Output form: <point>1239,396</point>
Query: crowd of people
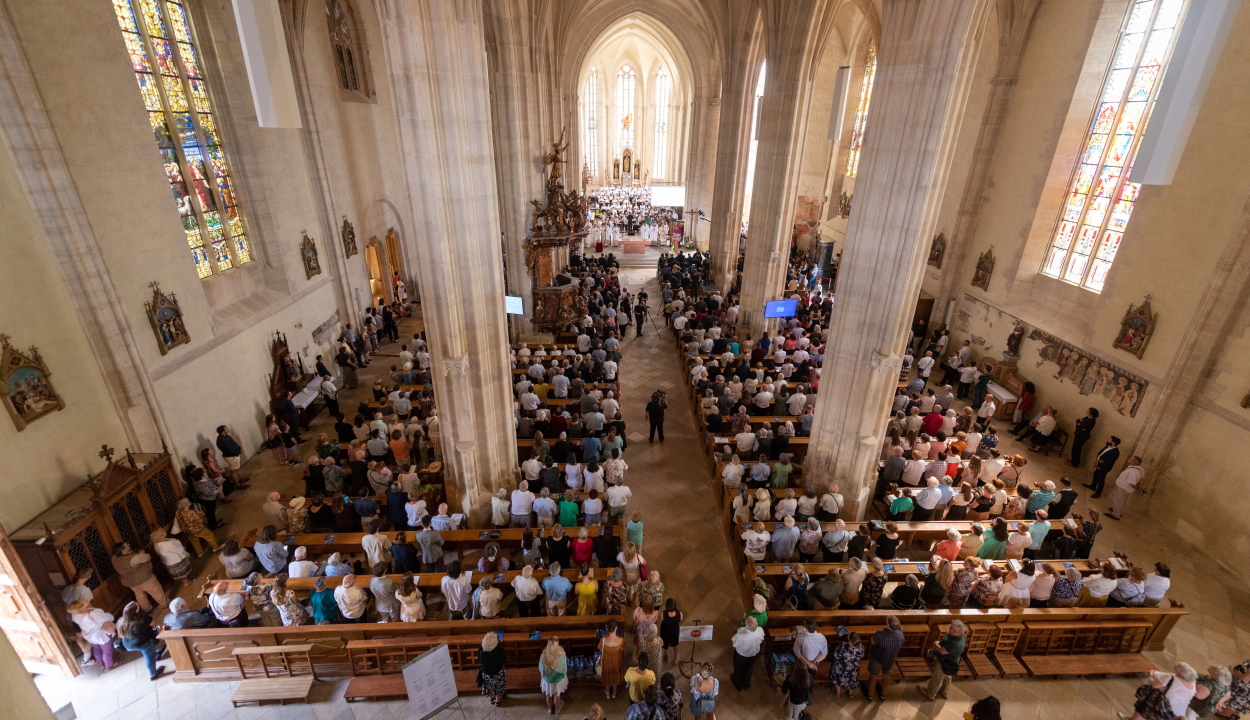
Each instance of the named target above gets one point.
<point>617,212</point>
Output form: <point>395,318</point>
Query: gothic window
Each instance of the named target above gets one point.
<point>625,107</point>
<point>592,122</point>
<point>1101,199</point>
<point>175,93</point>
<point>348,57</point>
<point>861,111</point>
<point>663,85</point>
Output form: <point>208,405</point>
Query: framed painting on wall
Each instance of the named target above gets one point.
<point>26,385</point>
<point>166,317</point>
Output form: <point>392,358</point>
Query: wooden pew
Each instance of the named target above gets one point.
<point>332,542</point>
<point>426,582</point>
<point>377,665</point>
<point>268,683</point>
<point>207,655</point>
<point>1101,647</point>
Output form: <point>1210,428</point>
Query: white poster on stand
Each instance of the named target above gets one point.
<point>431,682</point>
<point>695,633</point>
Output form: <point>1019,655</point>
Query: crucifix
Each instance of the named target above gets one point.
<point>106,452</point>
<point>693,226</point>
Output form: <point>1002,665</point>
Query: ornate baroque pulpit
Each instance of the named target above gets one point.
<point>557,228</point>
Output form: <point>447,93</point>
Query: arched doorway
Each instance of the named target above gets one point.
<point>395,263</point>
<point>375,263</point>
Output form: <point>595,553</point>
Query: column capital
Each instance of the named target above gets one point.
<point>456,367</point>
<point>882,363</point>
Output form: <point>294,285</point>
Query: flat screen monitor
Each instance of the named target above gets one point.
<point>668,195</point>
<point>514,305</point>
<point>780,308</point>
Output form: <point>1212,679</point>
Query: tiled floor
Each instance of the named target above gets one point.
<point>686,543</point>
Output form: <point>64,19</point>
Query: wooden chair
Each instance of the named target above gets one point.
<point>1004,650</point>
<point>269,683</point>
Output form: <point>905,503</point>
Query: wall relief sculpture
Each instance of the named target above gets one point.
<point>985,268</point>
<point>166,318</point>
<point>308,251</point>
<point>1136,328</point>
<point>26,385</point>
<point>937,251</point>
<point>349,239</point>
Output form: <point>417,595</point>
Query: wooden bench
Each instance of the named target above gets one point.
<point>281,688</point>
<point>1102,647</point>
<point>1083,665</point>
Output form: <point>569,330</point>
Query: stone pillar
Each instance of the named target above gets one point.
<point>436,60</point>
<point>521,136</point>
<point>701,163</point>
<point>28,133</point>
<point>790,29</point>
<point>733,144</point>
<point>926,60</point>
<point>1015,19</point>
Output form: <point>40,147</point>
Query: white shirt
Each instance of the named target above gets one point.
<point>925,365</point>
<point>171,551</point>
<point>796,403</point>
<point>456,591</point>
<point>415,512</point>
<point>609,369</point>
<point>92,625</point>
<point>1130,478</point>
<point>1157,586</point>
<point>529,401</point>
<point>811,645</point>
<point>1046,425</point>
<point>531,468</point>
<point>545,507</point>
<point>987,408</point>
<point>377,548</point>
<point>619,495</point>
<point>302,569</point>
<point>225,607</point>
<point>973,441</point>
<point>526,588</point>
<point>747,643</point>
<point>522,502</point>
<point>756,544</point>
<point>991,468</point>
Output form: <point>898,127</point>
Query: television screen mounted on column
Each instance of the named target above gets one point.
<point>780,308</point>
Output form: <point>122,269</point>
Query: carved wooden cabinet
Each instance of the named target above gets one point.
<point>124,503</point>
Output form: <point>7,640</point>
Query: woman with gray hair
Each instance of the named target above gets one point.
<point>1215,682</point>
<point>809,540</point>
<point>1066,590</point>
<point>501,510</point>
<point>1166,696</point>
<point>907,595</point>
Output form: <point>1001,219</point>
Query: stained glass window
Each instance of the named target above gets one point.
<point>625,107</point>
<point>592,122</point>
<point>663,84</point>
<point>347,55</point>
<point>175,94</point>
<point>861,111</point>
<point>1100,199</point>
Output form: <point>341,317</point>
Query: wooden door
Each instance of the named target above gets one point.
<point>28,621</point>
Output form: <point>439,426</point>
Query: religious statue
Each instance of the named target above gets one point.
<point>616,169</point>
<point>1136,328</point>
<point>985,268</point>
<point>1014,339</point>
<point>308,251</point>
<point>937,250</point>
<point>555,159</point>
<point>844,205</point>
<point>627,162</point>
<point>349,238</point>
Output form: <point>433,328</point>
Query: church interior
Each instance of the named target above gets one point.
<point>422,255</point>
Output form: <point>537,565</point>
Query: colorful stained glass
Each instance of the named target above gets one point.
<point>1141,55</point>
<point>178,20</point>
<point>125,16</point>
<point>240,248</point>
<point>194,139</point>
<point>1097,211</point>
<point>1084,179</point>
<point>190,63</point>
<point>152,18</point>
<point>1075,203</point>
<point>147,88</point>
<point>1105,119</point>
<point>174,95</point>
<point>199,95</point>
<point>1107,181</point>
<point>1143,83</point>
<point>138,55</point>
<point>1093,150</point>
<point>160,128</point>
<point>861,111</point>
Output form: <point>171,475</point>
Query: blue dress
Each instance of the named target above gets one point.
<point>844,665</point>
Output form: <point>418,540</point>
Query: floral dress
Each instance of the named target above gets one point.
<point>290,609</point>
<point>961,586</point>
<point>870,591</point>
<point>844,665</point>
<point>260,597</point>
<point>613,598</point>
<point>279,452</point>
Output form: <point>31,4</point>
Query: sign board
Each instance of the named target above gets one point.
<point>431,682</point>
<point>514,305</point>
<point>695,633</point>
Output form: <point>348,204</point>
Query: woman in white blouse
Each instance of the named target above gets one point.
<point>733,472</point>
<point>914,469</point>
<point>1098,587</point>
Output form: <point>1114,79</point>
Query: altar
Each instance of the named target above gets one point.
<point>634,246</point>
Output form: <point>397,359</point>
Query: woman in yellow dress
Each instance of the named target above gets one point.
<point>587,592</point>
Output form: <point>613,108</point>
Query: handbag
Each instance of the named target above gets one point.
<point>273,442</point>
<point>642,571</point>
<point>702,705</point>
<point>1153,701</point>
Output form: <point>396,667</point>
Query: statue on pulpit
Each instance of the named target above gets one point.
<point>555,160</point>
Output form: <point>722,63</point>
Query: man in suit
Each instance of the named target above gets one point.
<point>1084,427</point>
<point>1102,465</point>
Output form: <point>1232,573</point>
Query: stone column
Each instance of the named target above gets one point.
<point>732,148</point>
<point>1015,19</point>
<point>701,162</point>
<point>790,28</point>
<point>521,137</point>
<point>436,60</point>
<point>28,133</point>
<point>926,60</point>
